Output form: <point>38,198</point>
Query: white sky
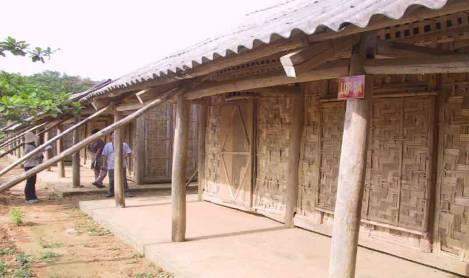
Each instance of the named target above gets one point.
<point>108,38</point>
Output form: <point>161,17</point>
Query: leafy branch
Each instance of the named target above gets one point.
<point>22,48</point>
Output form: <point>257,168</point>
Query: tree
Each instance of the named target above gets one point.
<point>22,48</point>
<point>48,92</point>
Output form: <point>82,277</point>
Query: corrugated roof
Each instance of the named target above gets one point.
<point>281,20</point>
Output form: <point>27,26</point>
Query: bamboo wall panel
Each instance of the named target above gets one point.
<point>400,162</point>
<point>452,226</point>
<point>310,154</point>
<point>274,118</point>
<point>158,143</point>
<point>332,124</point>
<point>229,142</point>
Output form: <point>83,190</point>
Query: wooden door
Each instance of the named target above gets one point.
<point>229,165</point>
<point>400,162</point>
<point>158,144</point>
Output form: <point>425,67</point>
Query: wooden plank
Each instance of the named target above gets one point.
<point>401,50</point>
<point>202,121</point>
<point>294,148</point>
<point>103,132</point>
<point>178,177</point>
<point>16,137</point>
<point>119,190</point>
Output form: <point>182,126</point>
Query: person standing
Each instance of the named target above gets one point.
<point>109,156</point>
<point>31,141</point>
<point>97,164</point>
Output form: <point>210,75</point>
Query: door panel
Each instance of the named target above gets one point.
<point>229,155</point>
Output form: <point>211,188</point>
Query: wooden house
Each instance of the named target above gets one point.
<point>389,171</point>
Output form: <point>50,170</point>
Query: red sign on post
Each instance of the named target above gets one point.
<point>351,87</point>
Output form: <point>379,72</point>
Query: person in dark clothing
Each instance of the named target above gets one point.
<point>100,171</point>
<point>31,141</point>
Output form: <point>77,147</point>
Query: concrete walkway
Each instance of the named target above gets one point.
<point>224,242</point>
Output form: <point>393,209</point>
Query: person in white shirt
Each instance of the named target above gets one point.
<point>108,154</point>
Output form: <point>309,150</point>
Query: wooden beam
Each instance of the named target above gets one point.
<point>103,132</point>
<point>76,157</point>
<point>12,149</point>
<point>315,55</point>
<point>129,107</point>
<point>457,63</point>
<point>178,175</point>
<point>351,174</point>
<point>294,148</point>
<point>119,189</point>
<point>58,149</point>
<point>202,121</point>
<point>327,71</point>
<point>141,94</point>
<point>51,141</point>
<point>406,50</point>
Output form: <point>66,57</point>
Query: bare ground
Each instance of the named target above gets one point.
<point>57,240</point>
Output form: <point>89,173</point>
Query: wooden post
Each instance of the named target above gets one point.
<point>118,163</point>
<point>76,157</point>
<point>47,153</point>
<point>351,175</point>
<point>59,148</point>
<point>139,158</point>
<point>202,118</point>
<point>178,177</point>
<point>296,131</point>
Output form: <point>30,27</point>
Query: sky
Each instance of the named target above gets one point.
<point>103,39</point>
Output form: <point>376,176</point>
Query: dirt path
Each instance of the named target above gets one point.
<point>57,240</point>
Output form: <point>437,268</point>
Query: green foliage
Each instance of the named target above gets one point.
<point>22,48</point>
<point>7,251</point>
<point>16,216</point>
<point>47,92</point>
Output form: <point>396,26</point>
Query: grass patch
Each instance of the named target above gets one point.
<point>16,216</point>
<point>7,251</point>
<point>50,245</point>
<point>49,256</point>
<point>24,270</point>
<point>3,268</point>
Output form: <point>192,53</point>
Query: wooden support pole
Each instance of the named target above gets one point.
<point>351,175</point>
<point>296,131</point>
<point>59,148</point>
<point>178,176</point>
<point>76,157</point>
<point>83,143</point>
<point>202,118</point>
<point>51,141</point>
<point>139,158</point>
<point>48,152</point>
<point>119,190</point>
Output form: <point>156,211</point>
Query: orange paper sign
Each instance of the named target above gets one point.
<point>351,87</point>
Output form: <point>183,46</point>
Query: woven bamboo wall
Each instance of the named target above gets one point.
<point>273,135</point>
<point>159,129</point>
<point>452,227</point>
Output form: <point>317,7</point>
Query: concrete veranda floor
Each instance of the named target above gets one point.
<point>224,242</point>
